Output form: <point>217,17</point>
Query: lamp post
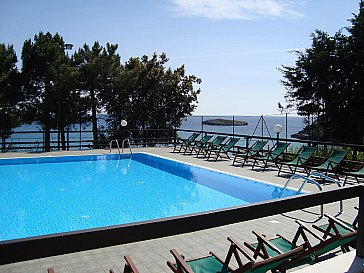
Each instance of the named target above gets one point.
<point>277,129</point>
<point>123,124</point>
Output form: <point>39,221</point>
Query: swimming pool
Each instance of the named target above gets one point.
<point>49,195</point>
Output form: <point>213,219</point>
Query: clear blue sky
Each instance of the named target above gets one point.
<point>234,46</point>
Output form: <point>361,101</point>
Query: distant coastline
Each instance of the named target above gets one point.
<point>224,122</point>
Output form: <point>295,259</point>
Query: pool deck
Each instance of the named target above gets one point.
<point>150,256</point>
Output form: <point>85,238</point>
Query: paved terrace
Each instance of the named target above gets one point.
<point>150,256</point>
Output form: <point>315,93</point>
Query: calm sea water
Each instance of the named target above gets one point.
<point>257,126</point>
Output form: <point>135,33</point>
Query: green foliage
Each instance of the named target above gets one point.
<point>9,91</point>
<point>50,85</point>
<point>98,66</point>
<point>149,95</point>
<point>59,91</point>
<point>326,83</point>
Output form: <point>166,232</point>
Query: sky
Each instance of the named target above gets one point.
<point>234,46</point>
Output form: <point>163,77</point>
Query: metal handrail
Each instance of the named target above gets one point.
<point>123,143</point>
<point>117,144</point>
<point>305,180</point>
<point>317,174</point>
<point>328,178</point>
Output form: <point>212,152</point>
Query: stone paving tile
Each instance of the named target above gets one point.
<point>151,256</point>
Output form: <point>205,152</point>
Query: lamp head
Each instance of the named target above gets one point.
<point>68,46</point>
<point>123,123</point>
<point>277,128</point>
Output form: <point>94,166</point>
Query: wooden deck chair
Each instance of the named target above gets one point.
<point>324,247</point>
<point>279,244</point>
<point>243,155</point>
<point>222,149</point>
<point>359,173</point>
<point>311,254</point>
<point>335,226</point>
<point>183,143</point>
<point>129,266</point>
<point>271,156</point>
<point>332,163</point>
<point>198,145</point>
<point>210,145</point>
<point>300,160</point>
<point>212,264</point>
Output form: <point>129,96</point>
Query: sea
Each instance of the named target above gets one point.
<point>257,126</point>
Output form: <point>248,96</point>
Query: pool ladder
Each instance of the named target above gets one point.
<point>122,145</point>
<point>311,181</point>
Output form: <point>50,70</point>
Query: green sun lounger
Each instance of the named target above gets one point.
<point>332,163</point>
<point>356,174</point>
<point>212,145</point>
<point>222,150</point>
<point>272,247</point>
<point>184,143</point>
<point>243,155</point>
<point>335,226</point>
<point>213,264</point>
<point>198,145</point>
<point>271,156</point>
<point>300,160</point>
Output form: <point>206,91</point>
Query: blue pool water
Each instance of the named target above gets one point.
<point>50,195</point>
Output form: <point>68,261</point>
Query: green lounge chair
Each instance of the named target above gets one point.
<point>265,248</point>
<point>271,156</point>
<point>215,143</point>
<point>213,264</point>
<point>249,152</point>
<point>223,149</point>
<point>311,254</point>
<point>356,174</point>
<point>184,143</point>
<point>335,226</point>
<point>300,160</point>
<point>332,163</point>
<point>198,144</point>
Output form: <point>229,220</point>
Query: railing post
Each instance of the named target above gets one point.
<point>202,124</point>
<point>68,139</point>
<point>360,238</point>
<point>3,144</point>
<point>175,137</point>
<point>233,126</point>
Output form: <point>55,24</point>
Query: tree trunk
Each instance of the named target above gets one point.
<point>94,117</point>
<point>47,136</point>
<point>63,138</point>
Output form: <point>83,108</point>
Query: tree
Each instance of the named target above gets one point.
<point>43,60</point>
<point>326,83</point>
<point>70,106</point>
<point>9,91</point>
<point>98,67</point>
<point>150,96</point>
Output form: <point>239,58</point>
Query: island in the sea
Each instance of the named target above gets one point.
<point>224,122</point>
